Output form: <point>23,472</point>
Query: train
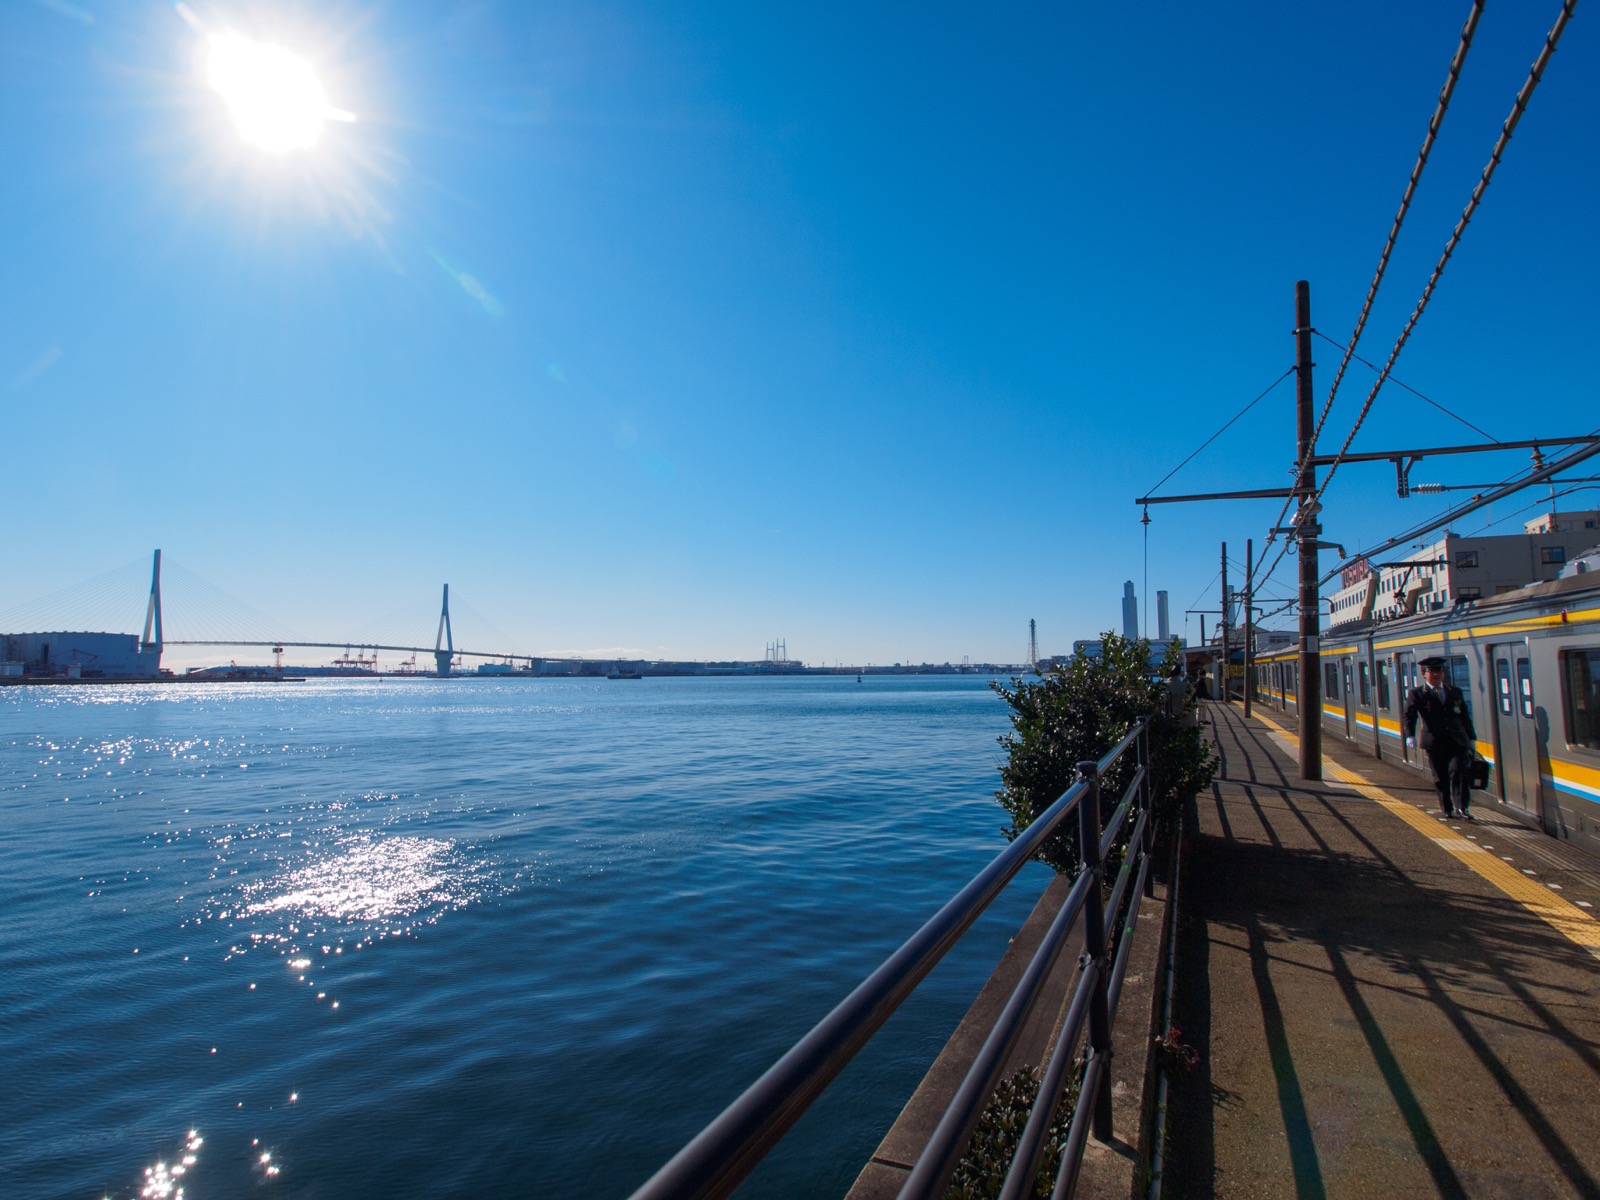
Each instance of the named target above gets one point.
<point>1528,663</point>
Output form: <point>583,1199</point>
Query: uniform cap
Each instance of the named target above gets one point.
<point>1433,660</point>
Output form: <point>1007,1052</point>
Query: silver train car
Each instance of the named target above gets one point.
<point>1528,663</point>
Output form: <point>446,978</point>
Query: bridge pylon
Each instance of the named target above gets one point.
<point>444,646</point>
<point>152,615</point>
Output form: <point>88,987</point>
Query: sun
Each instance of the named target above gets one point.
<point>275,97</point>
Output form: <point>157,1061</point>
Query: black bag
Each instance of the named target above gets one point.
<point>1478,774</point>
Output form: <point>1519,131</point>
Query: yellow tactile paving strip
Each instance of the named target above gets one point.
<point>1567,919</point>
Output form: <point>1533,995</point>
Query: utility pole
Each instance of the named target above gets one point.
<point>1225,685</point>
<point>1249,627</point>
<point>1307,530</point>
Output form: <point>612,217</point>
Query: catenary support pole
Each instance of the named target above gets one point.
<point>1249,624</point>
<point>1224,684</point>
<point>1310,681</point>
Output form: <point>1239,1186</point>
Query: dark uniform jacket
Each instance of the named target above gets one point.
<point>1444,722</point>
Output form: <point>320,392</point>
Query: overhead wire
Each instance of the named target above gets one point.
<point>1435,122</point>
<point>1457,61</point>
<point>1542,474</point>
<point>1582,485</point>
<point>1519,106</point>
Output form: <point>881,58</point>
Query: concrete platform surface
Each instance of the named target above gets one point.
<point>1383,1003</point>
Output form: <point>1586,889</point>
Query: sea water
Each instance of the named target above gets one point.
<point>468,937</point>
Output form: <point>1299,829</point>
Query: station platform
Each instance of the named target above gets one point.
<point>1382,1002</point>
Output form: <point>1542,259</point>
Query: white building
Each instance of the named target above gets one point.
<point>1455,569</point>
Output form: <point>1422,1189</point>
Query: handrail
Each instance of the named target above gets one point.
<point>716,1160</point>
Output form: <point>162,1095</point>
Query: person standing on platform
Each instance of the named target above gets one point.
<point>1446,735</point>
<point>1179,706</point>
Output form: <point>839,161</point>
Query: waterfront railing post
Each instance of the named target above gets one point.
<point>1147,803</point>
<point>1089,820</point>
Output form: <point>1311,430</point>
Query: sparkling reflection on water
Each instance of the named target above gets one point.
<point>371,878</point>
<point>454,938</point>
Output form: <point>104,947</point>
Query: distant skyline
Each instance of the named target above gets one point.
<point>670,333</point>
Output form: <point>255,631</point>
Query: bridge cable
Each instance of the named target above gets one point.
<point>110,599</point>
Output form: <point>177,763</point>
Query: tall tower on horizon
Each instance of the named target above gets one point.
<point>1033,644</point>
<point>1130,611</point>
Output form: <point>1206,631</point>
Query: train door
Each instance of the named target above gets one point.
<point>1383,700</point>
<point>1349,700</point>
<point>1405,678</point>
<point>1516,731</point>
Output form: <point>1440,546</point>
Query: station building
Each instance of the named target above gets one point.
<point>1455,569</point>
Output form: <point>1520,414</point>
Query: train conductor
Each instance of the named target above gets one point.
<point>1447,735</point>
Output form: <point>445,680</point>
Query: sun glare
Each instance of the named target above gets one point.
<point>275,97</point>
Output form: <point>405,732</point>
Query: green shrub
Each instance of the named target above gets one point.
<point>1081,711</point>
<point>983,1170</point>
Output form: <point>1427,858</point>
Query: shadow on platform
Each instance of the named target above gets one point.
<point>1371,1016</point>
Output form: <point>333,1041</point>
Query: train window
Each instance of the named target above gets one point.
<point>1455,671</point>
<point>1366,686</point>
<point>1330,681</point>
<point>1580,686</point>
<point>1525,687</point>
<point>1383,685</point>
<point>1552,554</point>
<point>1502,673</point>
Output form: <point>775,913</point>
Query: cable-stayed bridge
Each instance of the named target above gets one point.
<point>211,618</point>
<point>185,611</point>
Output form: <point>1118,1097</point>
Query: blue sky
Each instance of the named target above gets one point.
<point>676,329</point>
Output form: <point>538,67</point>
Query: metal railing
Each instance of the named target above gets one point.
<point>715,1162</point>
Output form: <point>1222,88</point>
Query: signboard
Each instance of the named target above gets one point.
<point>1355,572</point>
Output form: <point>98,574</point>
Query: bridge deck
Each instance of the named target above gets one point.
<point>1383,1003</point>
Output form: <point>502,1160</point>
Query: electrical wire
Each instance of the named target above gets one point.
<point>1407,387</point>
<point>1538,475</point>
<point>1518,107</point>
<point>1220,432</point>
<point>1583,486</point>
